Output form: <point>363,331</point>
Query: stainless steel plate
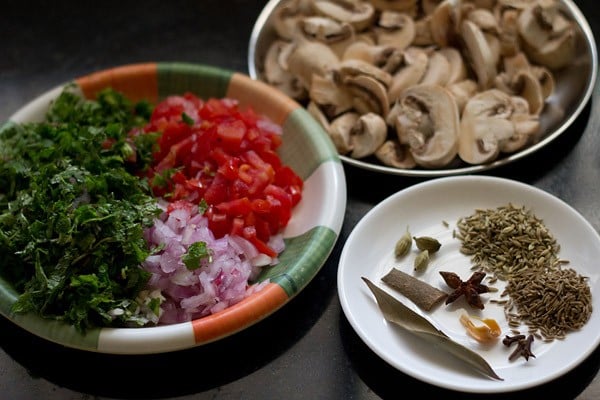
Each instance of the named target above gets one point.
<point>574,87</point>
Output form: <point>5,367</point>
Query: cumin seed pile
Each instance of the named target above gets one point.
<point>512,244</point>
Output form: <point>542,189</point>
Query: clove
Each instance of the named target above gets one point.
<point>523,346</point>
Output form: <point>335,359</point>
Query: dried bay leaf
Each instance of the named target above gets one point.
<point>396,312</point>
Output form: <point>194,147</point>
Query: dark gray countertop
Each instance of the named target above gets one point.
<point>306,350</point>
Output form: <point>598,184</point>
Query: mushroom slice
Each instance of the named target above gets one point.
<point>367,135</point>
<point>360,14</point>
<point>509,33</point>
<point>395,29</point>
<point>423,36</point>
<point>443,22</point>
<point>393,154</point>
<point>438,70</point>
<point>519,62</point>
<point>527,86</point>
<point>333,98</point>
<point>526,126</point>
<point>462,91</point>
<point>308,58</point>
<point>484,19</point>
<point>479,54</point>
<point>458,69</point>
<point>277,76</point>
<point>335,34</point>
<point>484,125</point>
<point>286,18</point>
<point>433,132</point>
<point>350,68</point>
<point>368,52</point>
<point>406,6</point>
<point>339,131</point>
<point>429,6</point>
<point>415,65</point>
<point>548,35</point>
<point>369,94</point>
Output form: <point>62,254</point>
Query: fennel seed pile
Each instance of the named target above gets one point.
<point>512,244</point>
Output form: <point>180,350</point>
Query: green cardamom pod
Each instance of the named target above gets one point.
<point>421,260</point>
<point>403,245</point>
<point>427,243</point>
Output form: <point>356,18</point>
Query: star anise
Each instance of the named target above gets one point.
<point>470,288</point>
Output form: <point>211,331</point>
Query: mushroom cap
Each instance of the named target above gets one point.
<point>415,60</point>
<point>395,29</point>
<point>438,148</point>
<point>279,77</point>
<point>484,125</point>
<point>309,57</point>
<point>479,54</point>
<point>548,36</point>
<point>367,135</point>
<point>360,14</point>
<point>392,153</point>
<point>339,131</point>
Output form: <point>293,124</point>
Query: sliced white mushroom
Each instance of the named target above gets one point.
<point>548,35</point>
<point>415,65</point>
<point>279,77</point>
<point>339,131</point>
<point>393,154</point>
<point>457,66</point>
<point>367,135</point>
<point>286,18</point>
<point>462,91</point>
<point>354,67</point>
<point>508,34</point>
<point>437,71</point>
<point>395,29</point>
<point>484,125</point>
<point>308,58</point>
<point>433,131</point>
<point>444,21</point>
<point>333,98</point>
<point>368,94</point>
<point>337,35</point>
<point>406,6</point>
<point>423,36</point>
<point>479,54</point>
<point>359,14</point>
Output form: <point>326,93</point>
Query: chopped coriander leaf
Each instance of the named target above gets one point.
<point>73,210</point>
<point>187,119</point>
<point>197,252</point>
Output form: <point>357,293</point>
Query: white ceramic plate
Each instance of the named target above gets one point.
<point>424,208</point>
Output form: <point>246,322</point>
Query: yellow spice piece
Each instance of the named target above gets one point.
<point>482,333</point>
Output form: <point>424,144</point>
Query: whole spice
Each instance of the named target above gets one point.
<point>397,313</point>
<point>419,292</point>
<point>421,260</point>
<point>403,245</point>
<point>470,288</point>
<point>553,302</point>
<point>523,346</point>
<point>514,245</point>
<point>427,243</point>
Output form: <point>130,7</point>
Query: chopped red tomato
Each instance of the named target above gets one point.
<point>214,151</point>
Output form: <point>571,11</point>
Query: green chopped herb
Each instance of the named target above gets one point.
<point>187,119</point>
<point>73,210</point>
<point>197,252</point>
